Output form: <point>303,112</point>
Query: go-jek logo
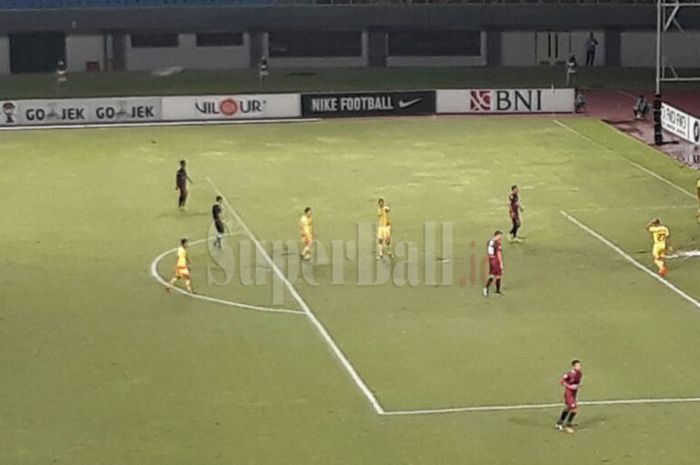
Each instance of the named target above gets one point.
<point>9,112</point>
<point>230,107</point>
<point>480,100</point>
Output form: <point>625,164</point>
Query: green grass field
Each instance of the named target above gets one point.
<point>101,366</point>
<point>306,80</point>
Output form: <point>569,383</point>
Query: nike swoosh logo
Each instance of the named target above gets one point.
<point>407,103</point>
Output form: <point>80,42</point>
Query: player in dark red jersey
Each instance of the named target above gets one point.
<point>572,383</point>
<point>514,209</point>
<point>181,180</point>
<point>494,251</point>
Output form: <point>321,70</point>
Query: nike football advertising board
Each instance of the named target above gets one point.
<point>368,104</point>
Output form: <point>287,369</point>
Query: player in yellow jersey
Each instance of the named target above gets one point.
<point>182,267</point>
<point>383,229</point>
<point>306,225</point>
<point>662,244</point>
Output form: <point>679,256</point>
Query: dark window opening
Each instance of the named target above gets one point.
<point>219,39</point>
<point>293,44</point>
<point>36,53</point>
<point>435,43</point>
<point>154,40</point>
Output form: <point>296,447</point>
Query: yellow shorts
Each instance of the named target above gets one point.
<point>659,251</point>
<point>182,273</point>
<point>384,233</point>
<point>307,239</point>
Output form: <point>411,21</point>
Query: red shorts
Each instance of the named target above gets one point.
<point>570,399</point>
<point>495,267</point>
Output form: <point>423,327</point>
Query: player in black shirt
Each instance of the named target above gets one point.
<point>181,180</point>
<point>217,216</point>
<point>514,210</point>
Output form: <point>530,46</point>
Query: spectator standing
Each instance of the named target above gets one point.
<point>263,70</point>
<point>571,65</point>
<point>591,47</point>
<point>61,72</point>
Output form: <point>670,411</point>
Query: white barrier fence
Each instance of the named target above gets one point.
<point>80,111</point>
<point>680,124</point>
<point>208,108</point>
<point>264,106</point>
<point>68,112</point>
<point>489,101</point>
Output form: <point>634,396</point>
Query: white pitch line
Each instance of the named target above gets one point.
<point>631,260</point>
<point>574,131</point>
<point>626,94</point>
<point>500,408</point>
<point>636,165</point>
<point>662,179</point>
<point>651,207</point>
<point>354,375</point>
<point>159,278</point>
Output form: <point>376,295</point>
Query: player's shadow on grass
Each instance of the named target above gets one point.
<point>547,422</point>
<point>180,214</point>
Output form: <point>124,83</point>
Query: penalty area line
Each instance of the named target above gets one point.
<point>508,408</point>
<point>323,332</point>
<point>636,165</point>
<point>230,303</point>
<point>631,260</point>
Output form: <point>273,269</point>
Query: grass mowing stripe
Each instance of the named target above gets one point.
<point>636,165</point>
<point>152,124</point>
<point>634,262</point>
<point>354,375</point>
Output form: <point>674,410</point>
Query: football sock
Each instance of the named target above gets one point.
<point>514,230</point>
<point>563,416</point>
<point>498,284</point>
<point>571,417</point>
<point>488,283</point>
<point>660,264</point>
<point>188,284</point>
<point>173,281</point>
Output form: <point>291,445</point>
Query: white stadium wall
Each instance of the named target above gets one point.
<point>188,55</point>
<point>81,49</point>
<point>4,55</point>
<point>681,48</point>
<point>518,48</point>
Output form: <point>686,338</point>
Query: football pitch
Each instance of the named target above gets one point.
<point>348,359</point>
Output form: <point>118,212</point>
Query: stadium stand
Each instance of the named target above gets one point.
<point>57,4</point>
